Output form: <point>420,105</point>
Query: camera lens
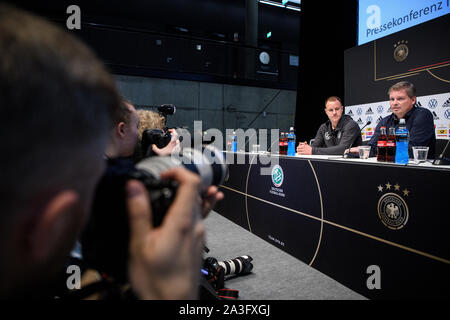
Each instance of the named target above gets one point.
<point>209,164</point>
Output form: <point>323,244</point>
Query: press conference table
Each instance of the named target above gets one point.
<point>380,229</point>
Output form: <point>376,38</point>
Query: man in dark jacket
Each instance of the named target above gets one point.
<point>334,136</point>
<point>419,121</point>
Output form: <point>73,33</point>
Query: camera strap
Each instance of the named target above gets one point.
<point>228,294</point>
<point>217,281</point>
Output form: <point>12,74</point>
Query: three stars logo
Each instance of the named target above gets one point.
<point>388,186</point>
<point>392,208</point>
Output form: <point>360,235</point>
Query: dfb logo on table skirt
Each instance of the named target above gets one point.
<point>277,176</point>
<point>392,208</point>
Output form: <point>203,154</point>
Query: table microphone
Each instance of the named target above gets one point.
<point>346,155</point>
<point>441,160</point>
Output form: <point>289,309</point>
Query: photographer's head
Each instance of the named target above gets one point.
<point>150,120</point>
<point>59,102</point>
<point>124,135</point>
<point>154,140</point>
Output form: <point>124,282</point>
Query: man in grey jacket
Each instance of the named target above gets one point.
<point>336,135</point>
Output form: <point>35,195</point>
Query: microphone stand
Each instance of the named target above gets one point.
<point>442,160</point>
<point>347,155</point>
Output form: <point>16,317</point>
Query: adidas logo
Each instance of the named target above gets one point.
<point>379,119</point>
<point>435,117</point>
<point>359,121</point>
<point>369,111</point>
<point>418,104</point>
<point>446,103</point>
<point>350,113</point>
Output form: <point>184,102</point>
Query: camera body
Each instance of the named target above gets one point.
<point>157,137</point>
<point>105,240</point>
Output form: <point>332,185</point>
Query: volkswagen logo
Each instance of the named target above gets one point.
<point>447,114</point>
<point>432,103</point>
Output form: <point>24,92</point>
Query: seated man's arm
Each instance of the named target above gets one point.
<point>319,139</point>
<point>422,133</point>
<point>305,149</point>
<point>373,142</point>
<point>349,135</point>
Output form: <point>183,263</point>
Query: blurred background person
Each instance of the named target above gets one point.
<point>156,123</point>
<point>124,134</point>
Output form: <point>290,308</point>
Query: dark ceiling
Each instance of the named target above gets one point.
<point>200,17</point>
<point>160,38</point>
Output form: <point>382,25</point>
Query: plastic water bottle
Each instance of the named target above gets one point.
<point>402,135</point>
<point>291,142</point>
<point>233,142</point>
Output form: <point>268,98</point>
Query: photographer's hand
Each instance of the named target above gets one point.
<point>173,146</point>
<point>210,199</point>
<point>165,262</point>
